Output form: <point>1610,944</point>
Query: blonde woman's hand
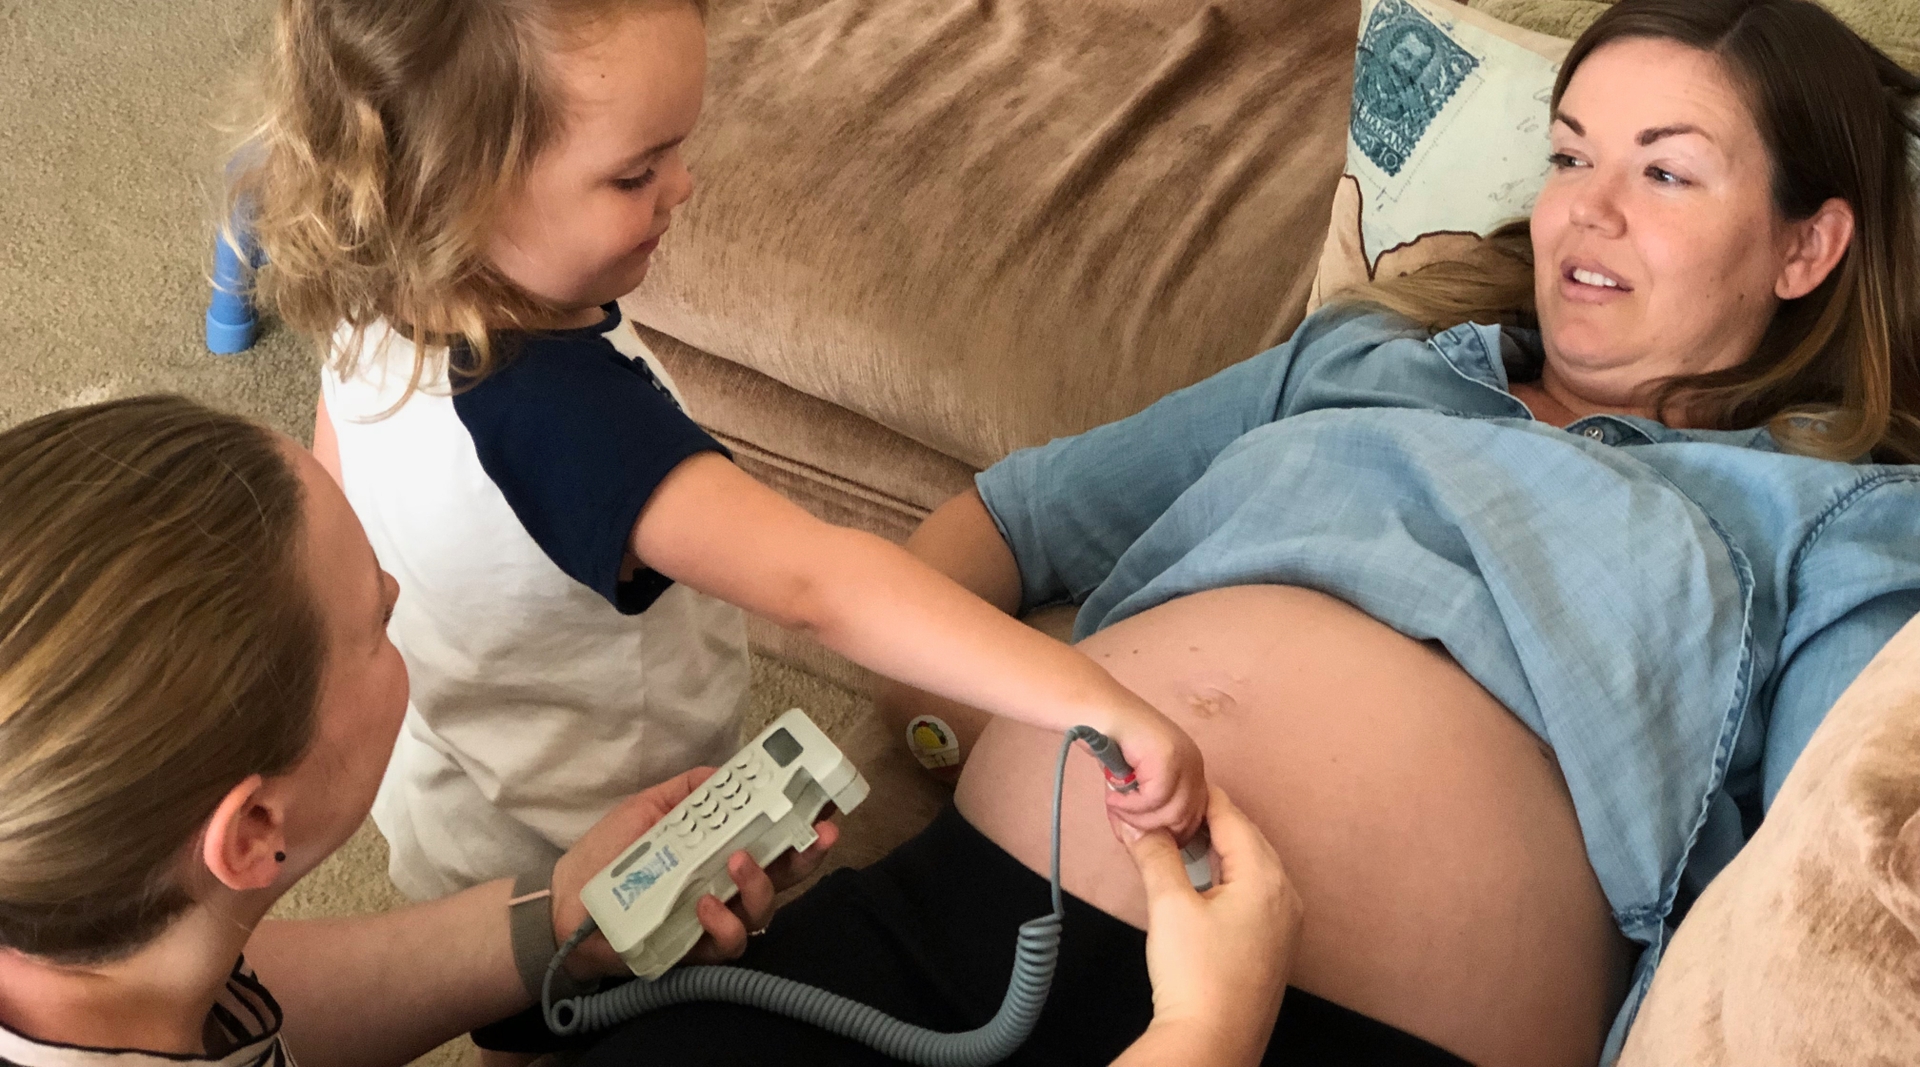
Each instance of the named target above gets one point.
<point>1219,960</point>
<point>727,925</point>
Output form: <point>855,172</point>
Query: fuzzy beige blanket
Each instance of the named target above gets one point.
<point>1806,949</point>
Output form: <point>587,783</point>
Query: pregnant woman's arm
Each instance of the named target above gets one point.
<point>1855,584</point>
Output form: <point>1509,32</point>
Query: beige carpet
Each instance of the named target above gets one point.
<point>108,155</point>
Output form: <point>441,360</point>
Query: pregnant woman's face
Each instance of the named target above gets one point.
<point>1658,248</point>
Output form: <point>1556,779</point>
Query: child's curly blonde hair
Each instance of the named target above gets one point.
<point>382,139</point>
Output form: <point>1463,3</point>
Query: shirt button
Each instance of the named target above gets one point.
<point>1596,433</point>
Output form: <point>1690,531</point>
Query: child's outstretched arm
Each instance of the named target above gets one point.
<point>713,527</point>
<point>960,540</point>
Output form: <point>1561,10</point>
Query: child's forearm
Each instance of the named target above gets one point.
<point>718,530</point>
<point>961,541</point>
<point>892,613</point>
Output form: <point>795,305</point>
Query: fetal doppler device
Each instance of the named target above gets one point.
<point>766,800</point>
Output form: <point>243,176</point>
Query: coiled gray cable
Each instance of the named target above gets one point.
<point>1035,955</point>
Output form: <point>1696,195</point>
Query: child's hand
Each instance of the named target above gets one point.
<point>1169,770</point>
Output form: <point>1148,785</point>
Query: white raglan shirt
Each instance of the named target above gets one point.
<point>505,511</point>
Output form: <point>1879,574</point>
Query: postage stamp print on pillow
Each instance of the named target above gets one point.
<point>1404,72</point>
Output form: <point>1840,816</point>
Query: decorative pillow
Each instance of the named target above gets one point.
<point>1447,139</point>
<point>1806,948</point>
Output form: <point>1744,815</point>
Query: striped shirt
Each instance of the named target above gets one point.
<point>243,1030</point>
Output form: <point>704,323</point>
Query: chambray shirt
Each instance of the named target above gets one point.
<point>1673,611</point>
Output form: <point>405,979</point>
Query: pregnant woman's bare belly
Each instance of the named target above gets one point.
<point>1429,833</point>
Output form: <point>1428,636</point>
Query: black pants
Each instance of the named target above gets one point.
<point>927,935</point>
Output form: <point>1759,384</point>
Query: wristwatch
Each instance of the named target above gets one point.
<point>530,925</point>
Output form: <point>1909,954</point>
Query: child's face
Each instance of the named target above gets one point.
<point>580,232</point>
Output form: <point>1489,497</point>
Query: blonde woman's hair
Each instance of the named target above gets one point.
<point>1837,374</point>
<point>384,137</point>
<point>157,646</point>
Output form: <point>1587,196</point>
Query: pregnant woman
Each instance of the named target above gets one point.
<point>1504,634</point>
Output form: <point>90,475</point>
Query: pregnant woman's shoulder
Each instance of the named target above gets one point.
<point>1347,335</point>
<point>1351,321</point>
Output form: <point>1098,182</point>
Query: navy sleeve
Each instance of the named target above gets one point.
<point>577,437</point>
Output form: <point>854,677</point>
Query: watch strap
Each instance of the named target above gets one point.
<point>530,925</point>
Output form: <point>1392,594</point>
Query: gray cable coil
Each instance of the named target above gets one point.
<point>1035,955</point>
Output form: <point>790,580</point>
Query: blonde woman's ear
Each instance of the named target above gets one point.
<point>245,841</point>
<point>1820,242</point>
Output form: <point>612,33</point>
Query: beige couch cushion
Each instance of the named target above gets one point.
<point>1806,949</point>
<point>899,481</point>
<point>986,223</point>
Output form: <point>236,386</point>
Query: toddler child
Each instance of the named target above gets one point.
<point>452,194</point>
